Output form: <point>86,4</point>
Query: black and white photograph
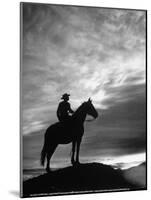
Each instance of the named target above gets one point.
<point>83,99</point>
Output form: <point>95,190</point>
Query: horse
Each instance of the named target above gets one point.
<point>67,132</point>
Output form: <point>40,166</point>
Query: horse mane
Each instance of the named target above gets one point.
<point>79,109</point>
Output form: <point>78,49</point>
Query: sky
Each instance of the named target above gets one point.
<point>86,52</point>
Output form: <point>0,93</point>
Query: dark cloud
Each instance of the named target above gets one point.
<point>119,130</point>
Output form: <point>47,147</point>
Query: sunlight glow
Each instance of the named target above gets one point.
<point>125,161</point>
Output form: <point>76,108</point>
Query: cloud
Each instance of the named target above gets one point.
<point>88,52</point>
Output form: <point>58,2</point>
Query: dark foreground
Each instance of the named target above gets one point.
<point>84,178</point>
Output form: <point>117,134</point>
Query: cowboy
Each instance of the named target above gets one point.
<point>64,108</point>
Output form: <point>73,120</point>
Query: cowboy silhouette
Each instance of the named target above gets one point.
<point>64,108</point>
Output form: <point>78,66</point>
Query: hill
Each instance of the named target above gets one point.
<point>84,178</point>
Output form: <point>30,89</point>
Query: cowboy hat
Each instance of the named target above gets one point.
<point>64,96</point>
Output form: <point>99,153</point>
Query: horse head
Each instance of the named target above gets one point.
<point>90,109</point>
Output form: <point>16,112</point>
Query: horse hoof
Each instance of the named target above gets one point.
<point>48,170</point>
<point>76,163</point>
<point>72,162</point>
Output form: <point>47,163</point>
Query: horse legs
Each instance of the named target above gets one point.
<point>75,146</point>
<point>78,149</point>
<point>49,155</point>
<point>73,152</point>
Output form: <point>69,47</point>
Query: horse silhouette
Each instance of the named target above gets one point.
<point>66,132</point>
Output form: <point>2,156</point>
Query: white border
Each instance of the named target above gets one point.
<point>9,98</point>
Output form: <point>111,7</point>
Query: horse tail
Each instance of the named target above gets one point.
<point>43,153</point>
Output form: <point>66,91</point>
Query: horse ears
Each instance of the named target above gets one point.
<point>89,100</point>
